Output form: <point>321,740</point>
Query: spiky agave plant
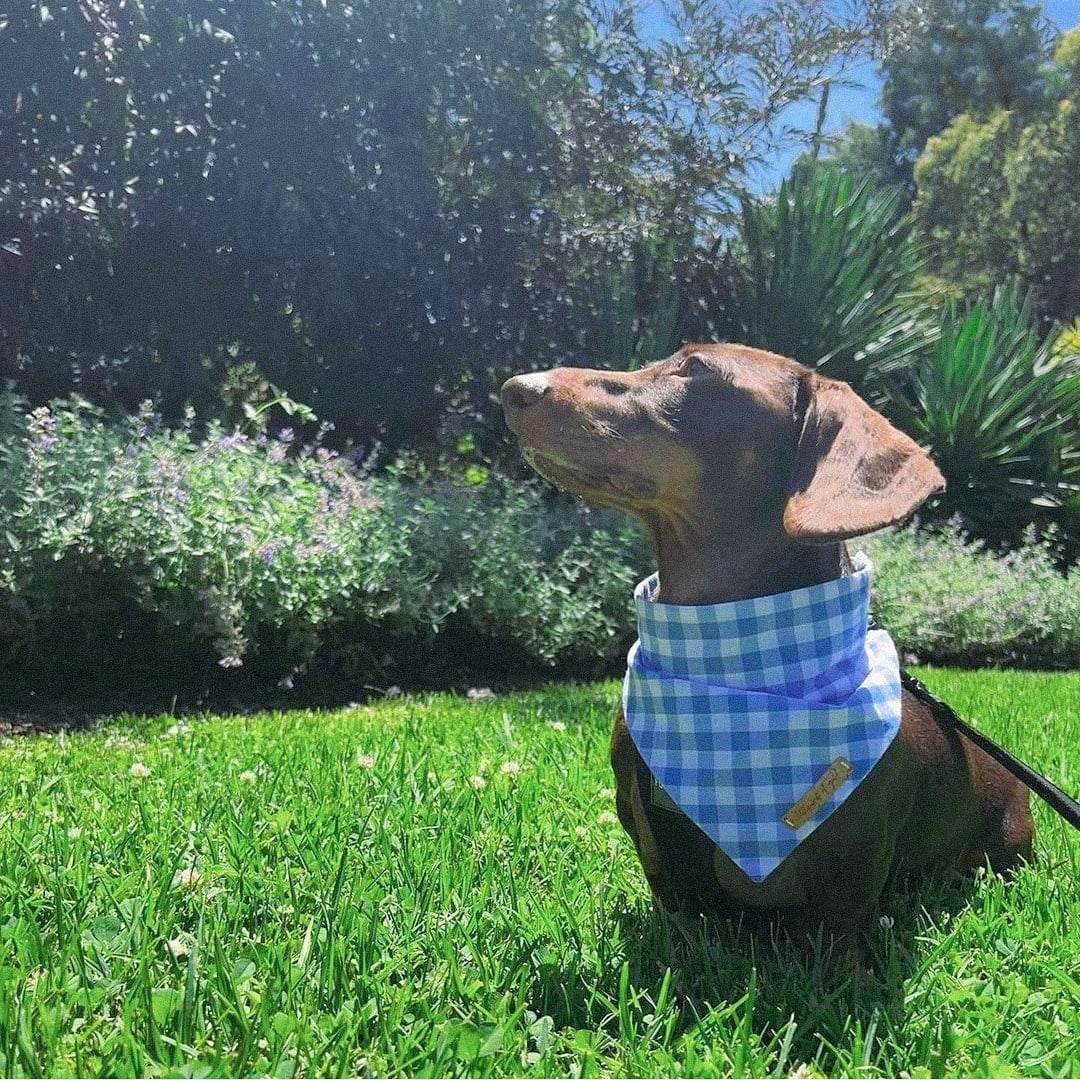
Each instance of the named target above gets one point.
<point>998,406</point>
<point>828,274</point>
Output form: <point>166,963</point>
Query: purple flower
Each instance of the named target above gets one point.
<point>231,442</point>
<point>268,552</point>
<point>286,435</point>
<point>47,444</point>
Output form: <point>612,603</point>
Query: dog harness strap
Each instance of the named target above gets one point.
<point>760,717</point>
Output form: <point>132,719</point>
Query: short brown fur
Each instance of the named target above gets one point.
<point>750,471</point>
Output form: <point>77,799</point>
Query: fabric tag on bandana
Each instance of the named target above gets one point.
<point>758,718</point>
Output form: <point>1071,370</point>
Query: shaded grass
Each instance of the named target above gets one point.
<point>328,893</point>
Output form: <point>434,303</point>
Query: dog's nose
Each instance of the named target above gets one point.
<point>519,393</point>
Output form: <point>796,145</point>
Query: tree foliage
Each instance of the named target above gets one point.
<point>327,190</point>
<point>372,204</point>
<point>993,195</point>
<point>960,56</point>
<point>973,56</point>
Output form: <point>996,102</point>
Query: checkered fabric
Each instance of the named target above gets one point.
<point>739,709</point>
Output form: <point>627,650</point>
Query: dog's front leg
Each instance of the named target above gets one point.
<point>632,816</point>
<point>842,901</point>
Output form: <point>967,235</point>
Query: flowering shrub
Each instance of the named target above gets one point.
<point>949,601</point>
<point>129,552</point>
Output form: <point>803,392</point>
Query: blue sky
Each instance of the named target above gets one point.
<point>860,102</point>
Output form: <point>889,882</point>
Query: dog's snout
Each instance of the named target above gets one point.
<point>519,393</point>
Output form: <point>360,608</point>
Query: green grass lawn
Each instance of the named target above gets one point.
<point>439,886</point>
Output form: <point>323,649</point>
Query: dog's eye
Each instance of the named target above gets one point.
<point>692,365</point>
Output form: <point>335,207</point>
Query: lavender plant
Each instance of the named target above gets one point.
<point>129,551</point>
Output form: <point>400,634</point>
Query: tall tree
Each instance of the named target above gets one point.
<point>959,56</point>
<point>993,194</point>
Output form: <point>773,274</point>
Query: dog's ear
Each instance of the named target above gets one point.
<point>854,472</point>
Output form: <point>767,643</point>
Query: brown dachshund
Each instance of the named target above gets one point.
<point>750,471</point>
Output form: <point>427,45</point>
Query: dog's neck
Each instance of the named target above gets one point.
<point>716,569</point>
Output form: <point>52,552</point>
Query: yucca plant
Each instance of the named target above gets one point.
<point>997,404</point>
<point>828,276</point>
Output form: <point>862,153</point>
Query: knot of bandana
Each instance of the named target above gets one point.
<point>753,712</point>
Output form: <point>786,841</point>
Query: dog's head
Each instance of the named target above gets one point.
<point>740,437</point>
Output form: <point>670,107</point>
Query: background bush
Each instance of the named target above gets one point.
<point>827,276</point>
<point>132,551</point>
<point>358,203</point>
<point>133,554</point>
<point>374,205</point>
<point>361,204</point>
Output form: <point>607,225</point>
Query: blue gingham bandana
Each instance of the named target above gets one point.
<point>743,710</point>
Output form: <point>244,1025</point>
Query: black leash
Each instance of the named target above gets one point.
<point>1048,791</point>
